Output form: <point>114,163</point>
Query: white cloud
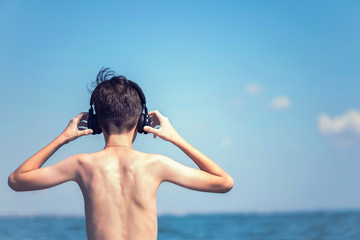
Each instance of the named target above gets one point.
<point>350,121</point>
<point>253,89</point>
<point>281,102</point>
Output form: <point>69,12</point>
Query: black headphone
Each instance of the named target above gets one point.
<point>143,120</point>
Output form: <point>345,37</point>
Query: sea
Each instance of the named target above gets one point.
<point>319,225</point>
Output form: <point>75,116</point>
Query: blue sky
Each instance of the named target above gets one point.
<point>267,89</point>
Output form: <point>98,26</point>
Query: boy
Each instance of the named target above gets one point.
<point>118,183</point>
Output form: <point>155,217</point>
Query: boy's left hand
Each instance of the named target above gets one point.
<point>73,130</point>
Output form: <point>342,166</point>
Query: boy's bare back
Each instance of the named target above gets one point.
<point>119,184</point>
<point>119,190</point>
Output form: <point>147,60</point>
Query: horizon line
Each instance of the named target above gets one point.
<point>183,214</point>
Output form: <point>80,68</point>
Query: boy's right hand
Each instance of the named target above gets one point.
<point>165,131</point>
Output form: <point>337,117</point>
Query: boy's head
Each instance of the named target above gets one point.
<point>117,103</point>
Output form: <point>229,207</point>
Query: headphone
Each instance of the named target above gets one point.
<point>143,120</point>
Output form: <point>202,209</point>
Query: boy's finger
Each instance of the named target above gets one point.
<point>83,116</point>
<point>152,116</point>
<point>150,129</point>
<point>156,113</point>
<point>86,132</point>
<point>153,124</point>
<point>154,119</point>
<point>82,124</point>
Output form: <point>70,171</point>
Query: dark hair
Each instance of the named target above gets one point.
<point>117,104</point>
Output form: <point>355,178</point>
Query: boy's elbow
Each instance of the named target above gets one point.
<point>227,185</point>
<point>12,183</point>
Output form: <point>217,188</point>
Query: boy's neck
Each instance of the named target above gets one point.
<point>119,140</point>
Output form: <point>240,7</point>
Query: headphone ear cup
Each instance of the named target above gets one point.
<point>89,120</point>
<point>140,127</point>
<point>143,121</point>
<point>146,122</point>
<point>96,129</point>
<point>92,122</point>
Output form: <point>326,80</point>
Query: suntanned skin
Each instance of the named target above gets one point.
<point>118,183</point>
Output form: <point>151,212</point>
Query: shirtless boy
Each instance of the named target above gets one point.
<point>118,183</point>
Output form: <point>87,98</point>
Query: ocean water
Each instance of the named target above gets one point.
<point>276,226</point>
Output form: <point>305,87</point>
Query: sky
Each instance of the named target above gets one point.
<point>267,89</point>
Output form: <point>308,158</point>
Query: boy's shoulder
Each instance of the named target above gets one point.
<point>138,156</point>
<point>144,164</point>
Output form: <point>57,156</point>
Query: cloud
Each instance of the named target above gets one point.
<point>350,121</point>
<point>253,89</point>
<point>280,102</point>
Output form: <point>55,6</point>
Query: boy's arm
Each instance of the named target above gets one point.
<point>30,175</point>
<point>211,177</point>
